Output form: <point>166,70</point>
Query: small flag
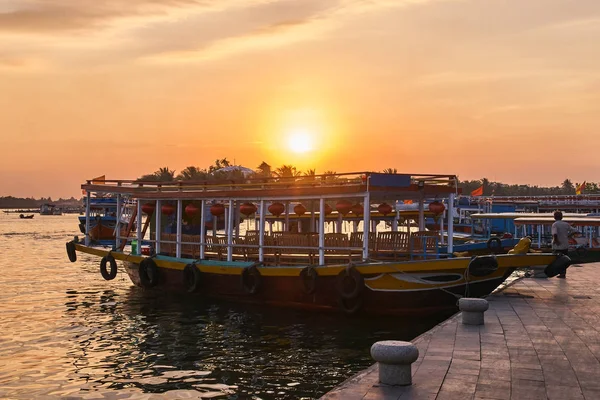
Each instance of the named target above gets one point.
<point>478,191</point>
<point>580,188</point>
<point>99,180</point>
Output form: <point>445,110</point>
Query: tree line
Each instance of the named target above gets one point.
<point>215,172</point>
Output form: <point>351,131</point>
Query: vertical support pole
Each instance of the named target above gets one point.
<point>236,217</point>
<point>321,231</point>
<point>540,236</point>
<point>230,231</point>
<point>261,232</point>
<point>396,218</point>
<point>447,212</point>
<point>366,224</point>
<point>312,216</point>
<point>287,217</point>
<point>339,223</point>
<point>421,211</point>
<point>87,218</point>
<point>450,223</point>
<point>179,217</point>
<point>158,228</point>
<point>202,229</point>
<point>118,223</point>
<point>138,249</point>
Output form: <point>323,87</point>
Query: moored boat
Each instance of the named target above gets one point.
<point>347,250</point>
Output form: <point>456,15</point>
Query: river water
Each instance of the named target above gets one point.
<point>65,332</point>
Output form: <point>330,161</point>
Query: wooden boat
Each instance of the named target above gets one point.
<point>22,216</point>
<point>352,254</point>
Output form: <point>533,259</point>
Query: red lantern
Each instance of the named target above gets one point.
<point>299,209</point>
<point>328,209</point>
<point>436,207</point>
<point>168,209</point>
<point>343,207</point>
<point>384,208</point>
<point>276,209</point>
<point>191,210</point>
<point>148,208</point>
<point>247,209</point>
<point>357,209</point>
<point>217,209</point>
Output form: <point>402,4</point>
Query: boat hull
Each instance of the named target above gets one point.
<point>400,288</point>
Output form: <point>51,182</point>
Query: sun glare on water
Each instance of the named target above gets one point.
<point>300,141</point>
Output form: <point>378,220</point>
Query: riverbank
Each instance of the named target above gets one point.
<point>541,340</point>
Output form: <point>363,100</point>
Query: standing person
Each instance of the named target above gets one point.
<point>560,238</point>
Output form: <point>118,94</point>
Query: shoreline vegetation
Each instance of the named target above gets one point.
<point>223,169</point>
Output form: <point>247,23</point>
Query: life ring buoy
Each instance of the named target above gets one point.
<point>251,279</point>
<point>192,278</point>
<point>309,277</point>
<point>351,306</point>
<point>149,273</point>
<point>350,283</point>
<point>108,275</point>
<point>483,265</point>
<point>494,244</point>
<point>71,253</point>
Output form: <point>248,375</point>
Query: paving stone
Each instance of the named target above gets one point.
<point>543,347</point>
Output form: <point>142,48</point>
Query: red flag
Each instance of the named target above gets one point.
<point>580,188</point>
<point>478,191</point>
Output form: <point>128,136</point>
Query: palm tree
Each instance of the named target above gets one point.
<point>264,170</point>
<point>287,171</point>
<point>192,173</point>
<point>329,176</point>
<point>390,171</point>
<point>567,187</point>
<point>165,174</point>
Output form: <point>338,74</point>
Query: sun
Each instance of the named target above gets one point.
<point>300,141</point>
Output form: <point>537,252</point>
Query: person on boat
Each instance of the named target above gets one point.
<point>560,238</point>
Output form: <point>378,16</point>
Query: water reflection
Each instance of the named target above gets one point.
<point>65,332</point>
<point>158,342</point>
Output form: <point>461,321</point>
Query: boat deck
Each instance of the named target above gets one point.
<point>541,340</point>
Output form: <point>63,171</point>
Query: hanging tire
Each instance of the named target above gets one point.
<point>559,265</point>
<point>108,275</point>
<point>351,306</point>
<point>71,253</point>
<point>494,244</point>
<point>251,279</point>
<point>149,273</point>
<point>350,283</point>
<point>192,278</point>
<point>483,265</point>
<point>580,252</point>
<point>309,277</point>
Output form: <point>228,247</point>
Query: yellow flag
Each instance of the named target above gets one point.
<point>580,188</point>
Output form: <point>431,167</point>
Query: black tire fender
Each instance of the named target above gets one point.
<point>350,283</point>
<point>309,277</point>
<point>251,279</point>
<point>351,306</point>
<point>494,244</point>
<point>108,275</point>
<point>557,266</point>
<point>192,278</point>
<point>71,253</point>
<point>149,273</point>
<point>483,265</point>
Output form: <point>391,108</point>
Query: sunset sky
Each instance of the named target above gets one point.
<point>503,89</point>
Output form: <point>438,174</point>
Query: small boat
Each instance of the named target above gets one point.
<point>26,216</point>
<point>331,243</point>
<point>50,209</point>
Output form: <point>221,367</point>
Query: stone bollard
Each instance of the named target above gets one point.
<point>395,358</point>
<point>472,310</point>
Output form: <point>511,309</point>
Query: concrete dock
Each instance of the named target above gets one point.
<point>541,340</point>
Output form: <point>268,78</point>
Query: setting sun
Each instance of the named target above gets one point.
<point>300,141</point>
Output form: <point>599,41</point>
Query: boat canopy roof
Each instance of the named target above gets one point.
<point>380,186</point>
<point>575,221</point>
<point>513,215</point>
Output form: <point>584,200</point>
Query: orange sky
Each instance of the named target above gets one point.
<point>505,89</point>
